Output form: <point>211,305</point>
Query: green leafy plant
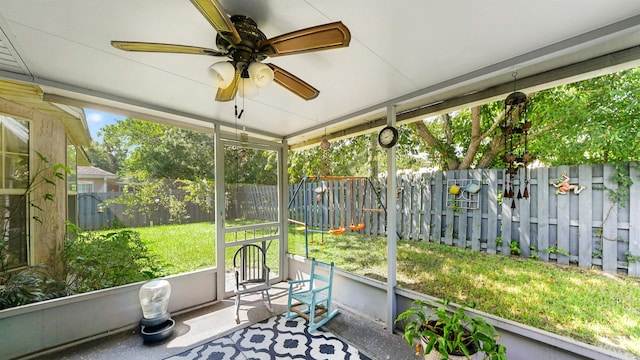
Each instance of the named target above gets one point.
<point>534,253</point>
<point>499,241</point>
<point>143,199</point>
<point>27,286</point>
<point>21,285</point>
<point>45,174</point>
<point>624,181</point>
<point>449,332</point>
<point>455,205</point>
<point>96,261</point>
<point>514,248</point>
<point>631,258</point>
<point>557,250</point>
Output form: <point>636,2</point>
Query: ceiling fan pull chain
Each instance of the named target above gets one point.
<point>238,115</point>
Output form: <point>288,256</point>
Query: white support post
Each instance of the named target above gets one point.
<point>283,202</point>
<point>391,226</point>
<point>220,212</point>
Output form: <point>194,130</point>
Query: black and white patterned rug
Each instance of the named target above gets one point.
<point>275,338</point>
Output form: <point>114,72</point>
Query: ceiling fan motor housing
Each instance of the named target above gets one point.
<point>246,51</point>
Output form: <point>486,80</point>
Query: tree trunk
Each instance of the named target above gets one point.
<point>476,138</point>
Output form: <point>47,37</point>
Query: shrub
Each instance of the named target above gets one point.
<point>94,261</point>
<point>28,286</point>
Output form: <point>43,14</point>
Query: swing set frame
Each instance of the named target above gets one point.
<point>302,185</point>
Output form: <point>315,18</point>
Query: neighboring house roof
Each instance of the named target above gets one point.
<point>94,172</point>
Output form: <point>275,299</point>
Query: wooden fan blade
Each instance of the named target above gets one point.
<point>321,37</point>
<point>218,18</point>
<point>293,83</point>
<point>228,93</point>
<point>164,48</point>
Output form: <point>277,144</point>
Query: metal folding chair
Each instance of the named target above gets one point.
<point>252,274</point>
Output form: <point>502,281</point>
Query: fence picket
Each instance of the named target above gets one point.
<point>462,217</point>
<point>609,222</point>
<point>371,199</point>
<point>404,206</point>
<point>542,191</point>
<point>426,207</point>
<point>448,233</point>
<point>585,215</point>
<point>524,208</point>
<point>437,208</point>
<point>476,219</point>
<point>492,210</point>
<point>634,227</point>
<point>415,208</point>
<point>506,220</point>
<point>563,216</point>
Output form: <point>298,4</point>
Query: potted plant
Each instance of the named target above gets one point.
<point>449,335</point>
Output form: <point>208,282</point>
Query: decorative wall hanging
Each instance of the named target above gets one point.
<point>463,194</point>
<point>563,185</point>
<point>515,130</point>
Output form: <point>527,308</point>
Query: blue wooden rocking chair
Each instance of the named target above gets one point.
<point>315,296</point>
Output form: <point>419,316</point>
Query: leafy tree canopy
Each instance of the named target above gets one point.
<point>145,151</point>
<point>593,121</point>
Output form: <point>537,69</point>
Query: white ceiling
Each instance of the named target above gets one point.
<point>404,52</point>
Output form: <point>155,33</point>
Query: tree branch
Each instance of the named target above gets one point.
<point>474,144</point>
<point>445,150</point>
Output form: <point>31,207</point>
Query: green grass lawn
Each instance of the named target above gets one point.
<point>587,305</point>
<point>189,247</point>
<point>182,248</point>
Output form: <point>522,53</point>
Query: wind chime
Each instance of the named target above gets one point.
<point>515,131</point>
<point>325,160</point>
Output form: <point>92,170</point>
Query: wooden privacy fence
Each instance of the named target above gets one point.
<point>246,201</point>
<point>252,202</point>
<point>594,228</point>
<point>599,227</point>
<point>94,213</point>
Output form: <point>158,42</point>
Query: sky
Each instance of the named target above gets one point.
<point>97,119</point>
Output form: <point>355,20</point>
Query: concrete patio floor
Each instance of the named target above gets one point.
<point>199,326</point>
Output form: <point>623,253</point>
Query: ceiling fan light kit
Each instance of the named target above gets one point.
<point>223,72</point>
<point>247,88</point>
<point>241,41</point>
<point>256,75</point>
<point>261,74</point>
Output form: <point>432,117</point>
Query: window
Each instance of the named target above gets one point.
<point>14,180</point>
<point>85,187</point>
<point>72,184</point>
<point>72,163</point>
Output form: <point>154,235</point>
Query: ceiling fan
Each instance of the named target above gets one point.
<point>241,41</point>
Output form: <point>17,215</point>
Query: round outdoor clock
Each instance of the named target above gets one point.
<point>388,137</point>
